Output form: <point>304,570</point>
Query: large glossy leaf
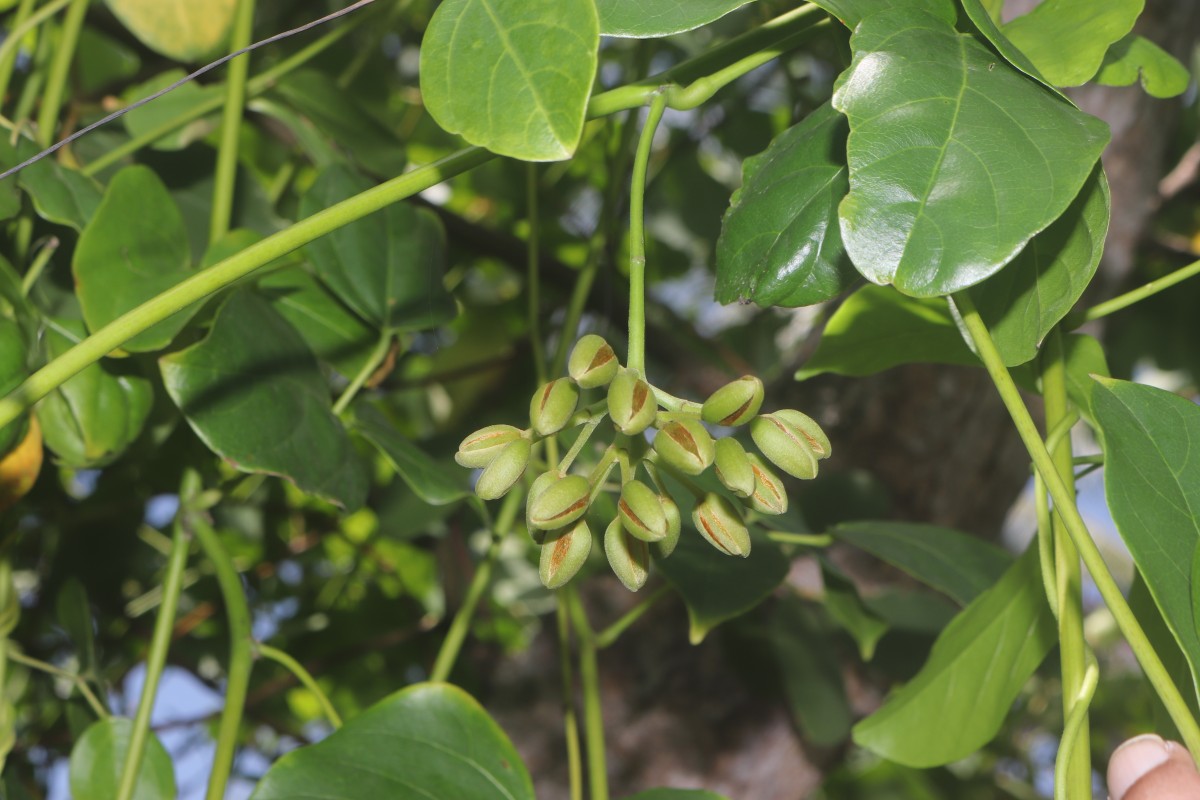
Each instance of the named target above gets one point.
<point>644,19</point>
<point>134,248</point>
<point>1152,482</point>
<point>98,758</point>
<point>852,12</point>
<point>947,184</point>
<point>959,565</point>
<point>185,30</point>
<point>432,482</point>
<point>253,393</point>
<point>1136,58</point>
<point>977,666</point>
<point>1067,39</point>
<point>810,672</point>
<point>91,419</point>
<point>780,242</point>
<point>388,267</point>
<point>432,740</point>
<point>513,76</point>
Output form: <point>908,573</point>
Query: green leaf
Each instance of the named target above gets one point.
<point>388,267</point>
<point>134,248</point>
<point>985,14</point>
<point>513,76</point>
<point>676,794</point>
<point>431,481</point>
<point>946,185</point>
<point>150,116</point>
<point>1137,58</point>
<point>877,328</point>
<point>644,19</point>
<point>954,563</point>
<point>780,243</point>
<point>959,699</point>
<point>715,587</point>
<point>60,195</point>
<point>431,740</point>
<point>73,613</point>
<point>1067,39</point>
<point>98,758</point>
<point>14,368</point>
<point>102,61</point>
<point>1152,481</point>
<point>1084,357</point>
<point>253,393</point>
<point>183,30</point>
<point>811,674</point>
<point>852,12</point>
<point>1163,641</point>
<point>91,419</point>
<point>848,610</point>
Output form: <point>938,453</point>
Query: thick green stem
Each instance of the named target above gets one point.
<point>1064,502</point>
<point>570,721</point>
<point>637,236</point>
<point>1076,724</point>
<point>301,674</point>
<point>1136,295</point>
<point>60,69</point>
<point>225,175</point>
<point>9,59</point>
<point>589,683</point>
<point>156,660</point>
<point>368,369</point>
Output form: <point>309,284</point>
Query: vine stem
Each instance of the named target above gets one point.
<point>156,660</point>
<point>1076,724</point>
<point>225,176</point>
<point>74,677</point>
<point>39,264</point>
<point>589,683</point>
<point>609,635</point>
<point>1064,502</point>
<point>1123,301</point>
<point>9,59</point>
<point>304,676</point>
<point>60,67</point>
<point>637,235</point>
<point>368,369</point>
<point>570,722</point>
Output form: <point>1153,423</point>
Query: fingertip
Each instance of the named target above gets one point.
<point>1133,760</point>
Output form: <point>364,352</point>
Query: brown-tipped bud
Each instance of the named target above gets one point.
<point>593,362</point>
<point>721,524</point>
<point>735,403</point>
<point>631,403</point>
<point>540,484</point>
<point>552,406</point>
<point>733,467</point>
<point>563,553</point>
<point>791,441</point>
<point>628,557</point>
<point>769,496</point>
<point>685,445</point>
<point>561,503</point>
<point>505,470</point>
<point>666,545</point>
<point>641,512</point>
<point>481,447</point>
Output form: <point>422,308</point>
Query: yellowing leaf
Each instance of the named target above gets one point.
<point>185,30</point>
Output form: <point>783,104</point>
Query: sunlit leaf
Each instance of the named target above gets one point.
<point>185,30</point>
<point>1067,39</point>
<point>1136,58</point>
<point>644,19</point>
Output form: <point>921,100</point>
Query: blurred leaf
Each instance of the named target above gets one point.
<point>959,699</point>
<point>848,610</point>
<point>98,758</point>
<point>101,61</point>
<point>540,60</point>
<point>183,30</point>
<point>643,19</point>
<point>811,674</point>
<point>780,243</point>
<point>676,794</point>
<point>14,368</point>
<point>852,12</point>
<point>432,482</point>
<point>1067,39</point>
<point>253,393</point>
<point>915,611</point>
<point>152,115</point>
<point>1136,58</point>
<point>74,614</point>
<point>429,740</point>
<point>926,211</point>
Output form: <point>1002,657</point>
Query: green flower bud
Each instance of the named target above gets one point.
<point>720,522</point>
<point>539,485</point>
<point>685,445</point>
<point>561,503</point>
<point>552,406</point>
<point>628,557</point>
<point>631,403</point>
<point>593,362</point>
<point>792,441</point>
<point>733,467</point>
<point>478,449</point>
<point>735,403</point>
<point>769,496</point>
<point>666,545</point>
<point>505,470</point>
<point>641,512</point>
<point>563,553</point>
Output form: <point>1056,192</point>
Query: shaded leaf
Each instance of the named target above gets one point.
<point>811,674</point>
<point>74,614</point>
<point>643,19</point>
<point>1136,58</point>
<point>432,482</point>
<point>852,12</point>
<point>848,610</point>
<point>539,58</point>
<point>102,61</point>
<point>150,116</point>
<point>676,794</point>
<point>185,30</point>
<point>60,195</point>
<point>1067,39</point>
<point>98,758</point>
<point>1163,641</point>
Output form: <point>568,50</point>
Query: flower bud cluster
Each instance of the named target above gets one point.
<point>647,516</point>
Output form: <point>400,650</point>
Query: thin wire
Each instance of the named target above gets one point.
<point>206,68</point>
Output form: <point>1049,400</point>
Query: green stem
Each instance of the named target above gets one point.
<point>805,539</point>
<point>588,429</point>
<point>677,405</point>
<point>39,265</point>
<point>1136,295</point>
<point>1076,724</point>
<point>637,236</point>
<point>570,720</point>
<point>74,677</point>
<point>12,39</point>
<point>9,59</point>
<point>368,369</point>
<point>241,656</point>
<point>457,634</point>
<point>1064,502</point>
<point>225,176</point>
<point>156,660</point>
<point>60,68</point>
<point>593,715</point>
<point>610,634</point>
<point>533,279</point>
<point>301,674</point>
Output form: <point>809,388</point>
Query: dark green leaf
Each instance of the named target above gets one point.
<point>1164,643</point>
<point>848,610</point>
<point>1136,58</point>
<point>431,740</point>
<point>432,482</point>
<point>388,267</point>
<point>253,393</point>
<point>915,611</point>
<point>152,115</point>
<point>60,195</point>
<point>101,61</point>
<point>14,368</point>
<point>134,248</point>
<point>643,19</point>
<point>98,758</point>
<point>539,58</point>
<point>811,674</point>
<point>959,699</point>
<point>780,243</point>
<point>1067,39</point>
<point>74,614</point>
<point>946,185</point>
<point>852,12</point>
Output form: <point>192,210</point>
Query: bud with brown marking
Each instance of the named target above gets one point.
<point>769,496</point>
<point>641,512</point>
<point>721,524</point>
<point>505,470</point>
<point>563,553</point>
<point>561,503</point>
<point>629,557</point>
<point>540,484</point>
<point>666,545</point>
<point>791,441</point>
<point>735,403</point>
<point>552,406</point>
<point>631,403</point>
<point>593,362</point>
<point>733,467</point>
<point>685,445</point>
<point>481,447</point>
